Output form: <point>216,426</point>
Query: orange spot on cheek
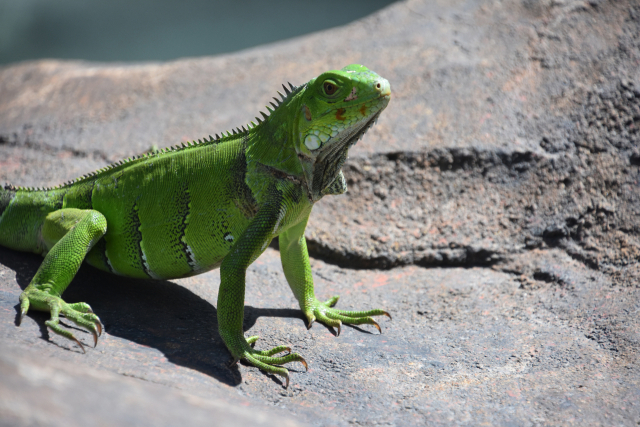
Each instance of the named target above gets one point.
<point>363,110</point>
<point>339,114</point>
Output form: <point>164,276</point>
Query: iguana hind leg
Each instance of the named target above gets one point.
<point>68,234</point>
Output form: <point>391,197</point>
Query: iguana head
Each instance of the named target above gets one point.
<point>337,108</point>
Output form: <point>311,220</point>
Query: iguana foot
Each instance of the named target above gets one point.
<point>80,313</point>
<point>324,313</point>
<point>264,359</point>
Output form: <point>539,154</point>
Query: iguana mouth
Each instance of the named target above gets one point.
<point>330,160</point>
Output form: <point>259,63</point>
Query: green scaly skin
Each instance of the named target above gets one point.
<point>185,210</point>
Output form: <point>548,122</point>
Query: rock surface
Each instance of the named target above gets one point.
<point>494,210</point>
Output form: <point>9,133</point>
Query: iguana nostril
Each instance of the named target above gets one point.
<point>383,87</point>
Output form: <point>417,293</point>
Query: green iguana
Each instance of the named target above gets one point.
<point>186,210</point>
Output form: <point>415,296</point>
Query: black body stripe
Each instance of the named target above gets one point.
<point>101,247</point>
<point>6,196</point>
<point>89,195</point>
<point>134,245</point>
<point>59,198</point>
<point>238,190</point>
<point>184,208</point>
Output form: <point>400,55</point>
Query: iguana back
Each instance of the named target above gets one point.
<point>164,200</point>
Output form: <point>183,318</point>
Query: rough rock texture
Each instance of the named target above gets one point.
<point>494,210</point>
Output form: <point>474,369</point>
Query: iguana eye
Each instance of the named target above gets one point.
<point>329,87</point>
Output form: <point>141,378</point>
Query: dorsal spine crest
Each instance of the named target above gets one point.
<point>290,91</point>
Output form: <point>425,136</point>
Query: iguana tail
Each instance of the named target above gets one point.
<point>22,215</point>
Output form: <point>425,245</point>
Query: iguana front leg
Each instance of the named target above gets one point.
<point>247,248</point>
<point>297,269</point>
<point>68,234</point>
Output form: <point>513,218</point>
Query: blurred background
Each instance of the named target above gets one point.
<point>160,30</point>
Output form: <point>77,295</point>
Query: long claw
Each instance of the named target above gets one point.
<point>388,315</point>
<point>233,362</point>
<point>338,327</point>
<point>287,384</point>
<point>376,325</point>
<point>304,362</point>
<point>309,325</point>
<point>79,344</point>
<point>79,313</point>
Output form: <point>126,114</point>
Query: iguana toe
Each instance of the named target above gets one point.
<point>80,313</point>
<point>264,359</point>
<point>335,318</point>
<point>54,326</point>
<point>332,301</point>
<point>24,307</point>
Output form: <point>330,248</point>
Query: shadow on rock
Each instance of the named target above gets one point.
<point>155,314</point>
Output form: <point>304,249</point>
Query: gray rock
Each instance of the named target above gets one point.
<point>493,210</point>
